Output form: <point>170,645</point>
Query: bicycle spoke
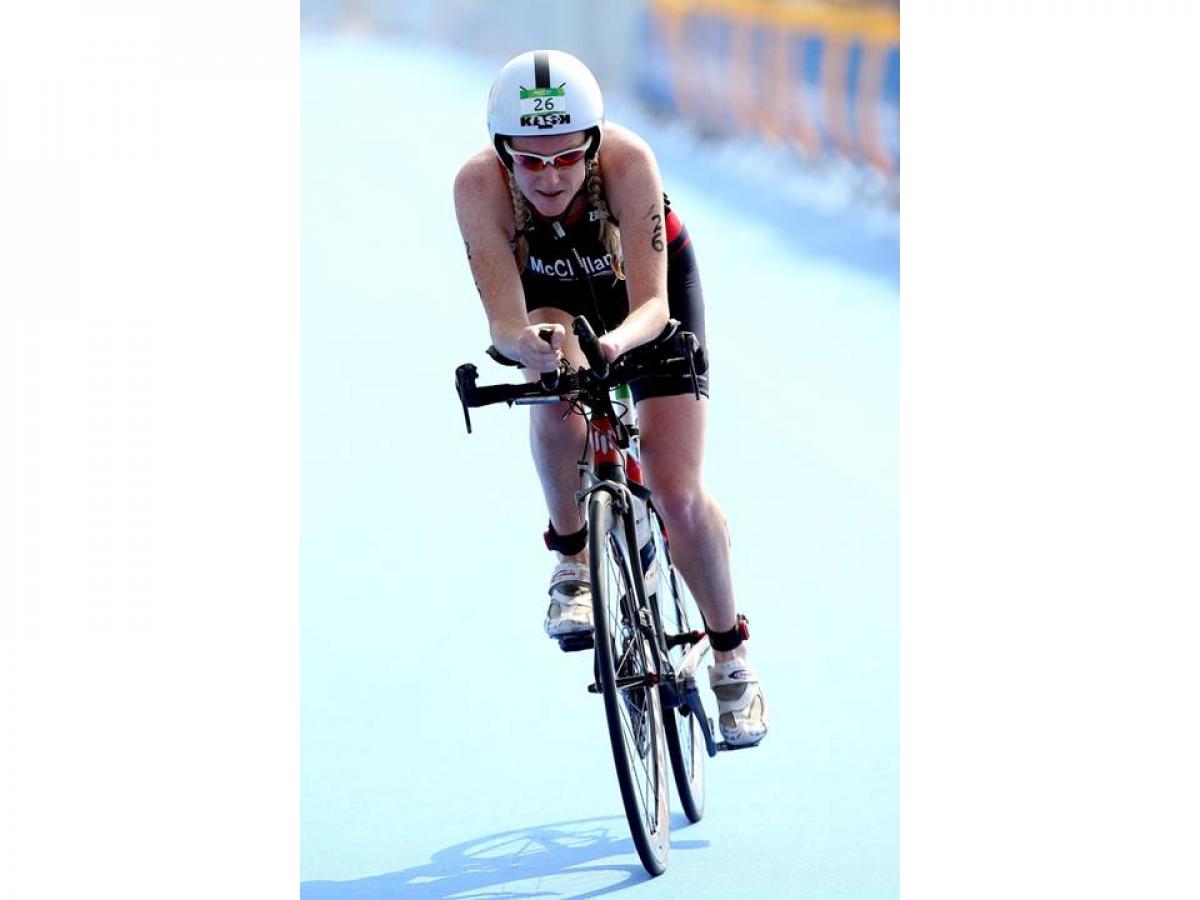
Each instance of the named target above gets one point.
<point>642,765</point>
<point>640,747</point>
<point>679,615</point>
<point>626,663</point>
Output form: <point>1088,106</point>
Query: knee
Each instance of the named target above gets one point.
<point>681,504</point>
<point>551,427</point>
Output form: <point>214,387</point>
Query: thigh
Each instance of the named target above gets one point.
<point>672,440</point>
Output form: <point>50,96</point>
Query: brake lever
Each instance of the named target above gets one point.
<point>465,377</point>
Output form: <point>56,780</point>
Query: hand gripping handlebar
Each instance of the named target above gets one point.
<point>673,350</point>
<point>549,380</point>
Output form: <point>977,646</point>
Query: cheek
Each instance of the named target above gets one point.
<point>524,180</point>
<point>576,177</point>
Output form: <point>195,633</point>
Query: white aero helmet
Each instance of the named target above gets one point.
<point>544,92</point>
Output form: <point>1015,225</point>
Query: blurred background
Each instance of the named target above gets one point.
<point>448,749</point>
<point>817,81</point>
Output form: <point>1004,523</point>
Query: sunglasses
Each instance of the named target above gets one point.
<point>535,162</point>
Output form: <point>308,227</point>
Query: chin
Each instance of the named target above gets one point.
<point>552,209</point>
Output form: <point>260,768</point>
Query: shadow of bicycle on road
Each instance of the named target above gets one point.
<point>577,859</point>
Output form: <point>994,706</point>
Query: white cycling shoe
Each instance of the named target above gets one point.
<point>570,609</point>
<point>744,714</point>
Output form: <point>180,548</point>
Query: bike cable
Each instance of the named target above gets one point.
<point>561,234</point>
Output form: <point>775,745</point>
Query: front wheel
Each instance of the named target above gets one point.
<point>679,615</point>
<point>625,663</point>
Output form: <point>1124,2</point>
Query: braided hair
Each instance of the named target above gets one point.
<point>610,234</point>
<point>524,219</point>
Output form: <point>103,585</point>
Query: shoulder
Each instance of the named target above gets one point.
<point>631,176</point>
<point>480,185</point>
<point>624,152</point>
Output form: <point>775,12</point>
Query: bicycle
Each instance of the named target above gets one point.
<point>646,643</point>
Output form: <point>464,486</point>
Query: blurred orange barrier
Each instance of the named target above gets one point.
<point>823,78</point>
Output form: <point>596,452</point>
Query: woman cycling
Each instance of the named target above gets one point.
<point>564,215</point>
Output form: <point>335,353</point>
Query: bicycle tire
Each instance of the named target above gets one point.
<point>679,614</point>
<point>634,715</point>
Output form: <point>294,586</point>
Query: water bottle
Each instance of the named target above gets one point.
<point>641,513</point>
<point>645,539</point>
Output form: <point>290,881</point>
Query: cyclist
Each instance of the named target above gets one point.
<point>564,215</point>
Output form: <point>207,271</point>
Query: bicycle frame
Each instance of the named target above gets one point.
<point>609,437</point>
<point>612,468</point>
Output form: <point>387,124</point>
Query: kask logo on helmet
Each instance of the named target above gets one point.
<point>545,120</point>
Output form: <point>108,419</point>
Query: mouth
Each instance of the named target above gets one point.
<point>552,195</point>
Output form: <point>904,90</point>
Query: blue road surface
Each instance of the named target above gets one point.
<point>449,749</point>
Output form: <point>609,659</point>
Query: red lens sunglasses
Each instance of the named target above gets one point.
<point>535,162</point>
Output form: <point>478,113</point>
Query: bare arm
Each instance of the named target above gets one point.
<point>634,189</point>
<point>484,211</point>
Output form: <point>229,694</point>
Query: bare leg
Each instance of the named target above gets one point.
<point>673,430</point>
<point>556,446</point>
<point>557,442</point>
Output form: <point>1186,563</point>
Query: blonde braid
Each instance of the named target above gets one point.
<point>524,218</point>
<point>610,234</point>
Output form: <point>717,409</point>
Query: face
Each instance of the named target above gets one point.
<point>550,191</point>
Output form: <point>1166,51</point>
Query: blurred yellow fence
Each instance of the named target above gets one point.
<point>823,78</point>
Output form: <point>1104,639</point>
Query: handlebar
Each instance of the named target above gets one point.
<point>590,345</point>
<point>672,351</point>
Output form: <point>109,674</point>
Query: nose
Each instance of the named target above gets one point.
<point>551,176</point>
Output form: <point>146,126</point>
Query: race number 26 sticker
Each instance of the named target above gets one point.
<point>544,107</point>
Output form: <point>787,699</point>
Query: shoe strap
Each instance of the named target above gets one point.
<point>568,574</point>
<point>722,673</point>
<point>570,571</point>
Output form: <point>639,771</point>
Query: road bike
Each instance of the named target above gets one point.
<point>649,636</point>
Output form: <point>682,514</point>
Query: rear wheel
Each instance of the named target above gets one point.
<point>625,662</point>
<point>685,739</point>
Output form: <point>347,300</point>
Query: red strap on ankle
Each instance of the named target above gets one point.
<point>731,639</point>
<point>566,544</point>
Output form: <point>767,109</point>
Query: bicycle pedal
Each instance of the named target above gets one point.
<point>571,643</point>
<point>723,745</point>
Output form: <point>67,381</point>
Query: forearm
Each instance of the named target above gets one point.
<point>505,334</point>
<point>643,324</point>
